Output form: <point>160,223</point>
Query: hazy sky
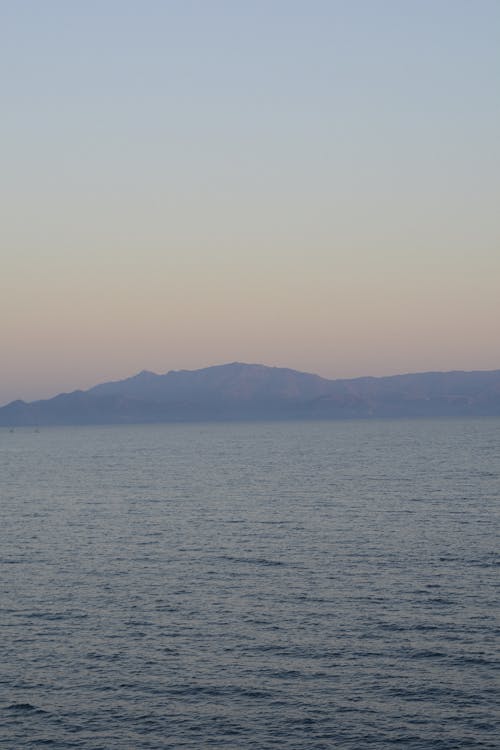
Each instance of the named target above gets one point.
<point>311,183</point>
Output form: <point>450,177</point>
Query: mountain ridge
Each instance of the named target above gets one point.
<point>244,391</point>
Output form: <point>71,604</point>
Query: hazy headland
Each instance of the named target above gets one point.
<point>238,391</point>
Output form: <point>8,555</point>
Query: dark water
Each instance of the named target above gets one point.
<point>319,585</point>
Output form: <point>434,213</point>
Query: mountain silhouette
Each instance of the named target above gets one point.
<point>239,391</point>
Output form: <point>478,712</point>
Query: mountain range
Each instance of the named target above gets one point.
<point>240,391</point>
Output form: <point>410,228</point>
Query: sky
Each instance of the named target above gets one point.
<point>304,184</point>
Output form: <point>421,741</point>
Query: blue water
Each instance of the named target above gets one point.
<point>294,585</point>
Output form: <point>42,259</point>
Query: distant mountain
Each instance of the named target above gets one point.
<point>250,392</point>
<point>232,382</point>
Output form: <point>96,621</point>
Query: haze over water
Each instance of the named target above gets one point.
<point>300,585</point>
<point>310,185</point>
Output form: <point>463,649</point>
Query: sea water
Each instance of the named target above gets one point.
<point>284,585</point>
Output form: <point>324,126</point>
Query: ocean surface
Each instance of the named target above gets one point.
<point>288,585</point>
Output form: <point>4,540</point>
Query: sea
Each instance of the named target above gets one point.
<point>296,585</point>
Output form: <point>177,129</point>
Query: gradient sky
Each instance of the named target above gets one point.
<point>190,182</point>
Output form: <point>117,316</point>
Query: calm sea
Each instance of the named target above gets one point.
<point>294,585</point>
